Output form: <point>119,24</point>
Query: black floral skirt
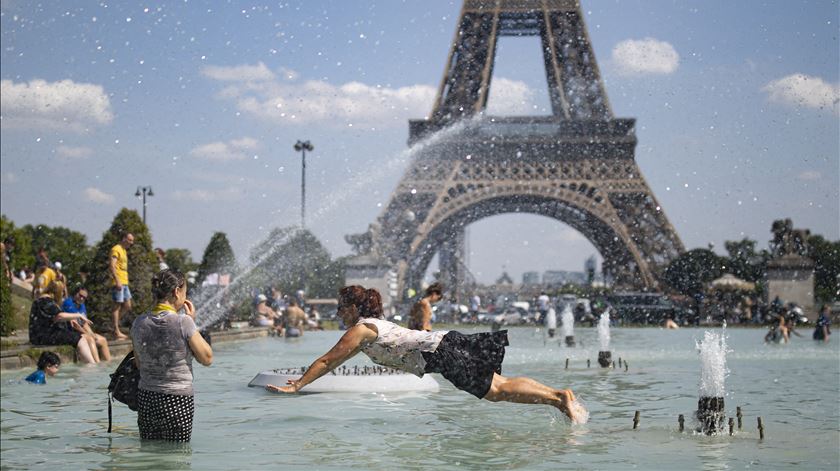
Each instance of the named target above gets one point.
<point>469,361</point>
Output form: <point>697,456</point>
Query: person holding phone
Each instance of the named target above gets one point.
<point>76,304</point>
<point>165,341</point>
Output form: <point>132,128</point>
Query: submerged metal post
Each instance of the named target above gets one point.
<point>731,425</point>
<point>587,363</point>
<point>738,414</point>
<point>681,421</point>
<point>710,414</point>
<point>567,363</point>
<point>604,359</point>
<point>636,420</point>
<point>570,340</point>
<point>760,429</point>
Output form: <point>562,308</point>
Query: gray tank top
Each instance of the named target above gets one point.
<point>399,347</point>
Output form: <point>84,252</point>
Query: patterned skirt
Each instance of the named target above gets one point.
<point>469,361</point>
<point>164,416</point>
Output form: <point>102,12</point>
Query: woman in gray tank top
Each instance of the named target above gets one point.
<point>472,363</point>
<point>164,344</point>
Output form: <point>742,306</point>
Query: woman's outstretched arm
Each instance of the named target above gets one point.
<point>348,346</point>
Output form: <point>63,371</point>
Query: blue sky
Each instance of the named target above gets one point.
<point>736,106</point>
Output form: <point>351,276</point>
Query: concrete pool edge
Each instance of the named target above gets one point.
<point>20,356</point>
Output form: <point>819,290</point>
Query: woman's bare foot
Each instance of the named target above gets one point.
<point>573,409</point>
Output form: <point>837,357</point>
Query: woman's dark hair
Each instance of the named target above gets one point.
<point>434,288</point>
<point>48,359</point>
<point>165,282</point>
<point>77,288</point>
<point>367,301</point>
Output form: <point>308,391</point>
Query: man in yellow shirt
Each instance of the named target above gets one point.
<point>118,268</point>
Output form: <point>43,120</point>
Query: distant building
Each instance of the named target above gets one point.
<point>505,279</point>
<point>530,278</point>
<point>589,268</point>
<point>562,277</point>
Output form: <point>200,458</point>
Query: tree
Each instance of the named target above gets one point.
<point>826,257</point>
<point>6,315</point>
<point>63,245</point>
<point>744,262</point>
<point>142,264</point>
<point>692,270</point>
<point>218,258</point>
<point>180,260</point>
<point>293,259</point>
<point>22,256</point>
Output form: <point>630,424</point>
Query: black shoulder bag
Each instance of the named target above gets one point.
<point>124,385</point>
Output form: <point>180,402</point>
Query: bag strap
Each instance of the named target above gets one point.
<point>109,412</point>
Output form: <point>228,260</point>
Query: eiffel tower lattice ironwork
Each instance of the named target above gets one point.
<point>576,165</point>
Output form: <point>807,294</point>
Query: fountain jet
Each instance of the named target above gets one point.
<point>710,407</point>
<point>568,319</point>
<point>604,355</point>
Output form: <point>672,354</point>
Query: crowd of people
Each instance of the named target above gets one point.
<point>286,316</point>
<point>165,340</point>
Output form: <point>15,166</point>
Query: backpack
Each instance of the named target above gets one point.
<point>124,385</point>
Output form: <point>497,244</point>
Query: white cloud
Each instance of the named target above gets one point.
<point>239,73</point>
<point>569,235</point>
<point>74,152</point>
<point>204,196</point>
<point>235,149</point>
<point>353,103</point>
<point>509,97</point>
<point>804,90</point>
<point>810,175</point>
<point>98,196</point>
<point>645,56</point>
<point>54,105</point>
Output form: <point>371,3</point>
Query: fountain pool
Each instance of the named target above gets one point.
<point>793,387</point>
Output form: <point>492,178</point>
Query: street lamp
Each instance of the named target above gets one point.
<point>146,190</point>
<point>302,147</point>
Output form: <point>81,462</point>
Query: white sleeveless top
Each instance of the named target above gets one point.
<point>399,347</point>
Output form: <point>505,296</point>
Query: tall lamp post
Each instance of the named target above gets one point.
<point>143,191</point>
<point>302,147</point>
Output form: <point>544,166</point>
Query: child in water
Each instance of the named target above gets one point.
<point>471,363</point>
<point>48,364</point>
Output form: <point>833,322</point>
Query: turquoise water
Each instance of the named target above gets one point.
<point>794,388</point>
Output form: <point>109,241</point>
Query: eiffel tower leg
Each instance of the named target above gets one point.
<point>451,264</point>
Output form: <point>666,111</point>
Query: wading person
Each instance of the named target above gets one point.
<point>118,269</point>
<point>420,317</point>
<point>164,345</point>
<point>295,319</point>
<point>823,329</point>
<point>472,363</point>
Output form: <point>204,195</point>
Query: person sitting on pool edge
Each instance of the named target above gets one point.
<point>472,363</point>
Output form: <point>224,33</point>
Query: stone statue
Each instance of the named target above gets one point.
<point>787,240</point>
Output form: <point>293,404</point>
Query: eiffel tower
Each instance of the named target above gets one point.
<point>576,165</point>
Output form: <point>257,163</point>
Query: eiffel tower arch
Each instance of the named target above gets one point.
<point>576,165</point>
